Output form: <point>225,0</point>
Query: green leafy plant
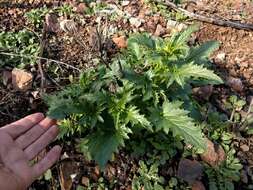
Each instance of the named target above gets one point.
<point>163,10</point>
<point>21,43</point>
<point>148,178</point>
<point>155,148</point>
<point>146,89</point>
<point>224,176</point>
<point>235,105</point>
<point>64,10</point>
<point>36,16</point>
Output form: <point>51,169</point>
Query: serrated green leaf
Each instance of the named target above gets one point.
<point>202,51</point>
<point>134,117</point>
<point>190,70</point>
<point>172,118</point>
<point>102,144</point>
<point>182,37</point>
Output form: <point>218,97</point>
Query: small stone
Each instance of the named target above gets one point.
<point>52,24</point>
<point>198,185</point>
<point>190,170</point>
<point>95,174</point>
<point>97,171</point>
<point>221,56</point>
<point>171,24</point>
<point>6,76</point>
<point>159,30</point>
<point>125,3</point>
<point>151,26</point>
<point>235,84</point>
<point>221,154</point>
<point>244,148</point>
<point>175,26</point>
<point>21,79</point>
<point>203,92</point>
<point>80,8</point>
<point>181,27</point>
<point>213,155</point>
<point>110,172</point>
<point>244,64</point>
<point>135,22</point>
<point>36,94</point>
<point>120,41</point>
<point>247,74</point>
<point>85,181</point>
<point>244,177</point>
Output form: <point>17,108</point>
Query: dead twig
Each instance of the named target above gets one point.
<point>211,20</point>
<point>42,58</point>
<point>100,48</point>
<point>42,47</point>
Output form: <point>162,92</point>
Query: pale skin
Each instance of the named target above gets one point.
<point>20,143</point>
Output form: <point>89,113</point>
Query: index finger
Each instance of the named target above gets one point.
<point>21,126</point>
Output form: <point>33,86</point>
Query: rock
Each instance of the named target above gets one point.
<point>198,185</point>
<point>125,3</point>
<point>175,26</point>
<point>135,22</point>
<point>213,155</point>
<point>35,94</point>
<point>80,8</point>
<point>95,174</point>
<point>171,23</point>
<point>244,64</point>
<point>110,172</point>
<point>247,74</point>
<point>221,154</point>
<point>141,14</point>
<point>67,170</point>
<point>85,181</point>
<point>120,41</point>
<point>6,76</point>
<point>189,170</point>
<point>221,56</point>
<point>244,177</point>
<point>151,26</point>
<point>244,148</point>
<point>21,79</point>
<point>52,23</point>
<point>159,30</point>
<point>235,84</point>
<point>203,92</point>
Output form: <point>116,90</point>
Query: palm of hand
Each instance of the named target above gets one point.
<point>20,142</point>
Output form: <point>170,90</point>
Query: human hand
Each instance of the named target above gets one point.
<point>20,143</point>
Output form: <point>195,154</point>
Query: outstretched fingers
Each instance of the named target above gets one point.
<point>47,162</point>
<point>34,133</point>
<point>21,126</point>
<point>35,148</point>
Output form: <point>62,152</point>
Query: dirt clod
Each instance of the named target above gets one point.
<point>120,41</point>
<point>235,84</point>
<point>244,148</point>
<point>190,170</point>
<point>213,155</point>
